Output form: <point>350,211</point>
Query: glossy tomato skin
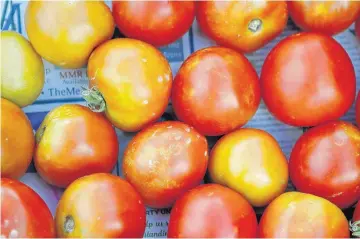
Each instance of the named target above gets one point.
<point>357,109</point>
<point>156,22</point>
<point>216,90</point>
<point>301,215</point>
<point>308,79</point>
<point>210,211</point>
<point>72,142</point>
<point>23,212</point>
<point>244,26</point>
<point>135,84</point>
<point>325,161</point>
<point>251,162</point>
<point>17,140</point>
<point>100,205</point>
<point>165,160</point>
<point>327,17</point>
<point>66,32</point>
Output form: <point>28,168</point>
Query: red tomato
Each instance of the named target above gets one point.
<point>216,90</point>
<point>301,215</point>
<point>165,160</point>
<point>23,213</point>
<point>210,211</point>
<point>307,79</point>
<point>328,17</point>
<point>325,161</point>
<point>72,142</point>
<point>100,205</point>
<point>357,109</point>
<point>242,25</point>
<point>131,81</point>
<point>156,22</point>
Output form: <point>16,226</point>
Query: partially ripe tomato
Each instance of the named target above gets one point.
<point>301,215</point>
<point>17,140</point>
<point>308,79</point>
<point>325,161</point>
<point>131,81</point>
<point>328,17</point>
<point>251,162</point>
<point>100,205</point>
<point>216,90</point>
<point>210,211</point>
<point>242,25</point>
<point>156,22</point>
<point>72,142</point>
<point>357,109</point>
<point>164,161</point>
<point>66,32</point>
<point>23,213</point>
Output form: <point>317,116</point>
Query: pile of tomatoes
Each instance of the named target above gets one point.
<point>307,80</point>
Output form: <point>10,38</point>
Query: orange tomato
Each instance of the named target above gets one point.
<point>251,162</point>
<point>17,140</point>
<point>165,160</point>
<point>301,215</point>
<point>156,22</point>
<point>216,90</point>
<point>72,142</point>
<point>23,213</point>
<point>133,78</point>
<point>242,25</point>
<point>66,32</point>
<point>328,17</point>
<point>100,205</point>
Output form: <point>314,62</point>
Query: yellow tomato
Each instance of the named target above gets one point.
<point>17,140</point>
<point>251,162</point>
<point>22,70</point>
<point>66,32</point>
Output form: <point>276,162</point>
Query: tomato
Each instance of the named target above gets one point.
<point>72,142</point>
<point>23,213</point>
<point>212,210</point>
<point>308,79</point>
<point>245,26</point>
<point>328,17</point>
<point>325,161</point>
<point>22,70</point>
<point>357,109</point>
<point>251,162</point>
<point>165,160</point>
<point>17,140</point>
<point>66,32</point>
<point>301,215</point>
<point>156,22</point>
<point>135,84</point>
<point>216,90</point>
<point>100,205</point>
<point>354,224</point>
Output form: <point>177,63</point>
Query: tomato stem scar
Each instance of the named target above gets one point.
<point>255,25</point>
<point>69,224</point>
<point>94,99</point>
<point>355,228</point>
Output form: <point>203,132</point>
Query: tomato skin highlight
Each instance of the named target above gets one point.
<point>216,90</point>
<point>301,215</point>
<point>335,146</point>
<point>72,142</point>
<point>327,17</point>
<point>210,211</point>
<point>230,23</point>
<point>251,162</point>
<point>24,214</point>
<point>17,140</point>
<point>100,205</point>
<point>165,160</point>
<point>323,88</point>
<point>135,84</point>
<point>66,32</point>
<point>156,22</point>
